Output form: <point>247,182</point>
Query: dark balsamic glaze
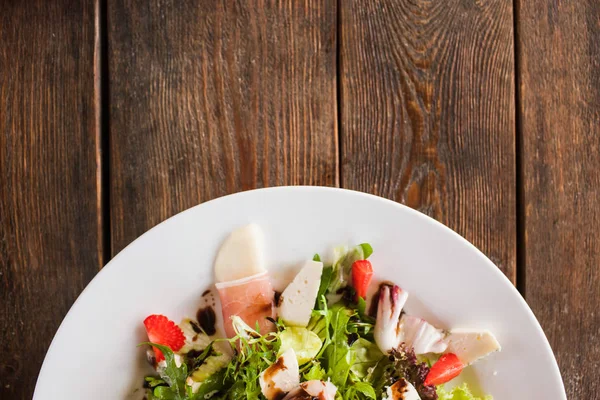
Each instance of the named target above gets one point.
<point>207,319</point>
<point>277,298</point>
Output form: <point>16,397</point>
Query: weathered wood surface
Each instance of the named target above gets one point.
<point>214,97</point>
<point>428,114</point>
<point>50,225</point>
<point>559,55</point>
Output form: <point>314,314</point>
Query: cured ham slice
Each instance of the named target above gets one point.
<point>249,298</point>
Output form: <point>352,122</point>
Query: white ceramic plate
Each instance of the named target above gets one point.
<point>452,284</point>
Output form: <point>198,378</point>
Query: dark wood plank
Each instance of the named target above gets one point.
<point>428,113</point>
<point>50,238</point>
<point>213,97</point>
<point>559,107</point>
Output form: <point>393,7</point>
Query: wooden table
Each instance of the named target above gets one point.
<point>117,114</point>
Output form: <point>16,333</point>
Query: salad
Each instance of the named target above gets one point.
<point>320,338</point>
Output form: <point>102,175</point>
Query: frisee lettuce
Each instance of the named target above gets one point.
<point>255,356</point>
<point>348,356</point>
<point>237,380</point>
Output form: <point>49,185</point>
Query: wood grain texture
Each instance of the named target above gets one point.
<point>428,112</point>
<point>50,241</point>
<point>560,125</point>
<point>214,97</point>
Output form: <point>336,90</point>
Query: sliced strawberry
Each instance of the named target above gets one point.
<point>446,368</point>
<point>161,330</point>
<point>362,272</point>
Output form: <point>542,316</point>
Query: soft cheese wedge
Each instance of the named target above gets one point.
<point>281,377</point>
<point>241,255</point>
<point>298,299</point>
<point>321,390</point>
<point>470,346</point>
<point>402,390</point>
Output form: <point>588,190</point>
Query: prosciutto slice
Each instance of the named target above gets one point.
<point>249,298</point>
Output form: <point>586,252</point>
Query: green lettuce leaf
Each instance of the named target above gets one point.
<point>366,355</point>
<point>367,250</point>
<point>305,343</point>
<point>344,257</point>
<point>458,393</point>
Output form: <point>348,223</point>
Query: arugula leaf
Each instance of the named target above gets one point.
<point>325,281</point>
<point>173,375</point>
<point>217,382</point>
<point>337,352</point>
<point>319,324</point>
<point>165,393</point>
<point>361,308</point>
<point>151,382</point>
<point>255,354</point>
<point>237,391</point>
<point>365,389</point>
<point>381,375</point>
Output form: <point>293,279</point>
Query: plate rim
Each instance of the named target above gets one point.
<point>424,217</point>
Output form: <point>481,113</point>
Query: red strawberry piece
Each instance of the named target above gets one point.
<point>446,368</point>
<point>161,330</point>
<point>362,272</point>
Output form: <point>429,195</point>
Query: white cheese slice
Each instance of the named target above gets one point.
<point>241,255</point>
<point>319,389</point>
<point>402,390</point>
<point>281,377</point>
<point>298,299</point>
<point>469,346</point>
